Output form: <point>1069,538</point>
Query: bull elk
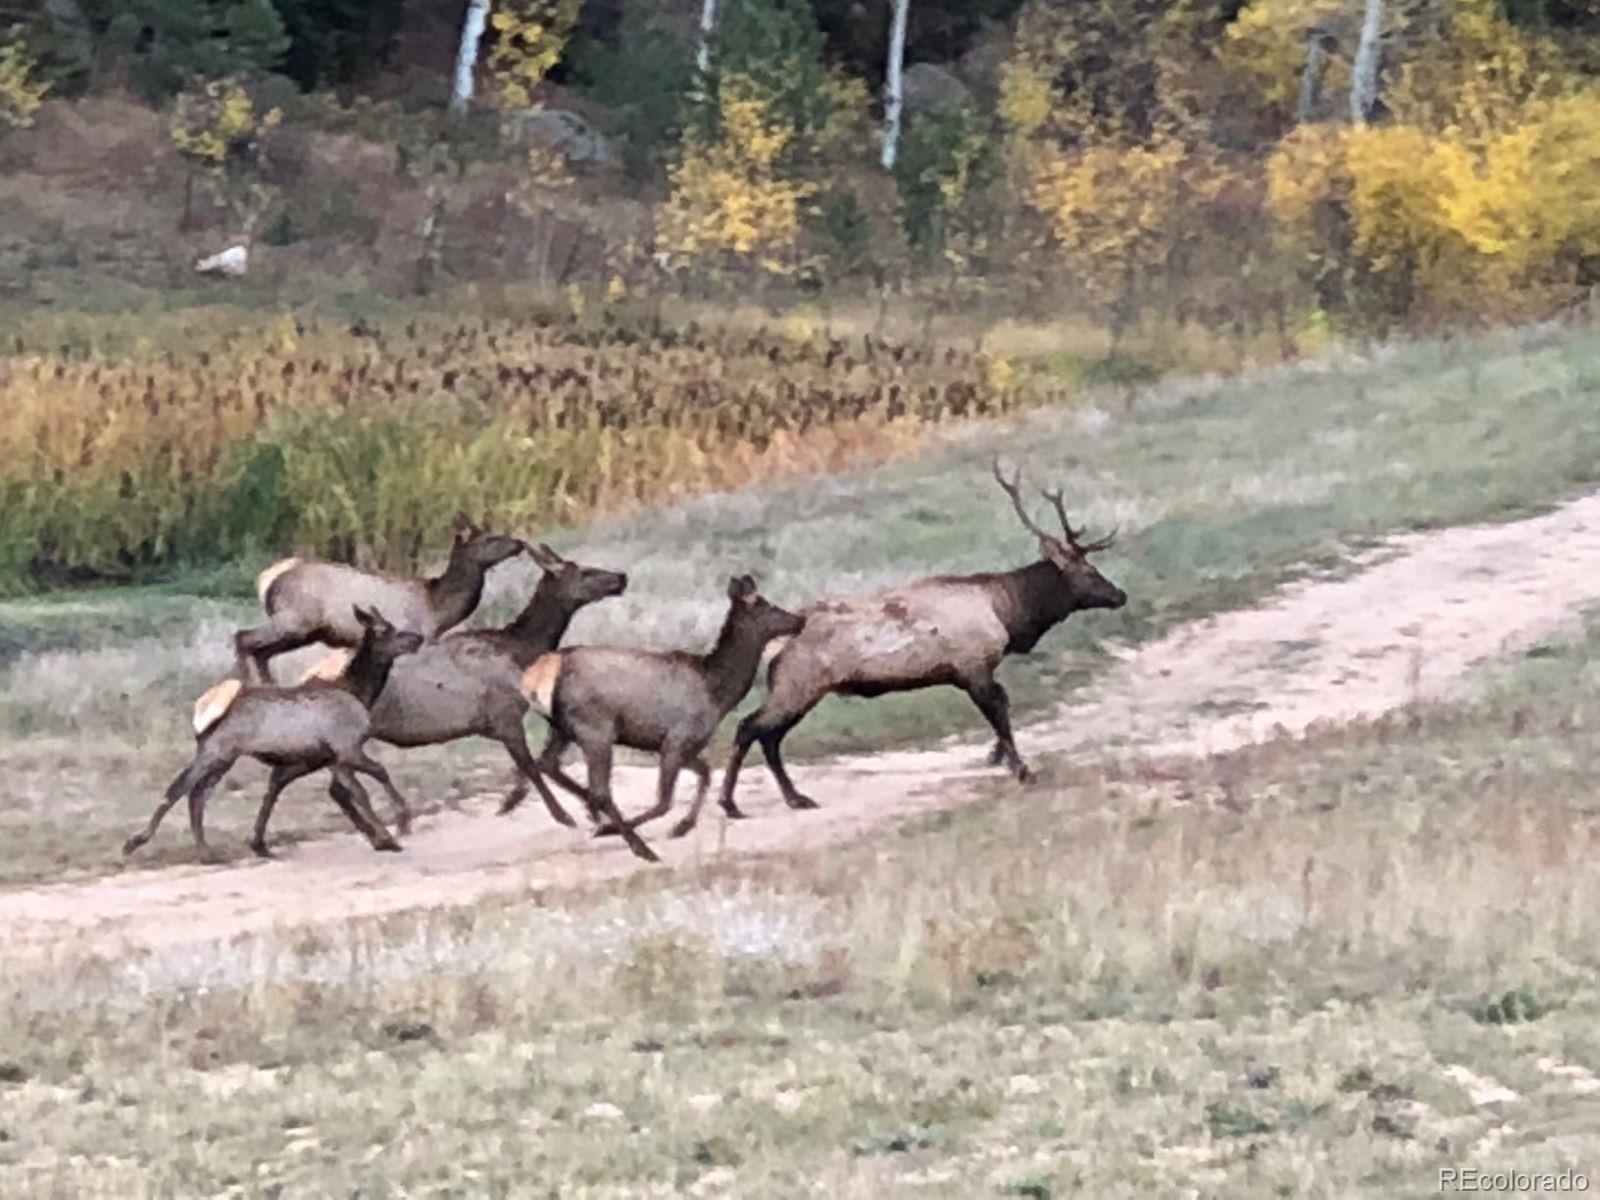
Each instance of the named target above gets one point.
<point>468,684</point>
<point>666,703</point>
<point>295,731</point>
<point>950,630</point>
<point>310,601</point>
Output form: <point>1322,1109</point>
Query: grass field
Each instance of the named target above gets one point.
<point>1222,488</point>
<point>1279,972</point>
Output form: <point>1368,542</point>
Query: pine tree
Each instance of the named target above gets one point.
<point>173,42</point>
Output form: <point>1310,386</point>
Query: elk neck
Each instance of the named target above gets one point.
<point>540,626</point>
<point>1034,600</point>
<point>454,594</point>
<point>367,673</point>
<point>731,666</point>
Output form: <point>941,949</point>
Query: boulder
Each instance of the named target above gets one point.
<point>565,132</point>
<point>928,87</point>
<point>231,263</point>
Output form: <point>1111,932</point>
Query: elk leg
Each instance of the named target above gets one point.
<point>282,776</point>
<point>672,761</point>
<point>516,743</point>
<point>791,794</point>
<point>259,646</point>
<point>742,741</point>
<point>995,705</point>
<point>351,797</point>
<point>997,753</point>
<point>367,765</point>
<point>597,755</point>
<point>197,810</point>
<point>549,765</point>
<point>181,786</point>
<point>703,771</point>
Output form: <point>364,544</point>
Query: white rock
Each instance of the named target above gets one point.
<point>232,262</point>
<point>600,1110</point>
<point>704,1102</point>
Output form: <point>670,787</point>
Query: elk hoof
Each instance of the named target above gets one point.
<point>402,823</point>
<point>132,844</point>
<point>641,850</point>
<point>682,828</point>
<point>608,829</point>
<point>210,857</point>
<point>388,846</point>
<point>260,849</point>
<point>799,802</point>
<point>1025,774</point>
<point>733,812</point>
<point>997,755</point>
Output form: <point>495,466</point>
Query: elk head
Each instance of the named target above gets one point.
<point>388,643</point>
<point>1068,554</point>
<point>576,584</point>
<point>479,548</point>
<point>758,613</point>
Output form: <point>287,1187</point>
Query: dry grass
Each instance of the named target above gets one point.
<point>1282,972</point>
<point>366,441</point>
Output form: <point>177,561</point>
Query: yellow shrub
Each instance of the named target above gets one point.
<point>530,38</point>
<point>20,93</point>
<point>1115,209</point>
<point>1266,45</point>
<point>207,124</point>
<point>1483,221</point>
<point>730,196</point>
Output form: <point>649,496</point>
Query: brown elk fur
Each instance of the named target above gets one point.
<point>669,703</point>
<point>467,684</point>
<point>951,630</point>
<point>294,730</point>
<point>308,601</point>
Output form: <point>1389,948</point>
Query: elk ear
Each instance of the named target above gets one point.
<point>546,557</point>
<point>364,615</point>
<point>741,587</point>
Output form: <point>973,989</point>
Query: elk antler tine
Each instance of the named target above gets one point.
<point>1053,495</point>
<point>1104,543</point>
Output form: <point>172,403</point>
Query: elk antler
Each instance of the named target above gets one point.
<point>1054,496</point>
<point>1014,490</point>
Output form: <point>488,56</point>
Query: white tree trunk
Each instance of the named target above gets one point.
<point>1364,68</point>
<point>467,56</point>
<point>708,28</point>
<point>1311,80</point>
<point>894,92</point>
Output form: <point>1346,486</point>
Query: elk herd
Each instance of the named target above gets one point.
<point>401,674</point>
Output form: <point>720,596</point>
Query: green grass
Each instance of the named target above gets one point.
<point>1151,996</point>
<point>1223,489</point>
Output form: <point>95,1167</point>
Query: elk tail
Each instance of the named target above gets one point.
<point>214,705</point>
<point>539,682</point>
<point>770,652</point>
<point>267,578</point>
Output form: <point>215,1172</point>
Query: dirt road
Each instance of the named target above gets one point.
<point>1410,623</point>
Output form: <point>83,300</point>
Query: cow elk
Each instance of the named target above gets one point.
<point>950,630</point>
<point>310,601</point>
<point>295,731</point>
<point>667,703</point>
<point>468,684</point>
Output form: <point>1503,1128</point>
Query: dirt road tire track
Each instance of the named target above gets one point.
<point>1409,624</point>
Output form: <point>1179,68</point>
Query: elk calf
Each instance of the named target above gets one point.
<point>294,730</point>
<point>310,601</point>
<point>669,703</point>
<point>950,630</point>
<point>468,684</point>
